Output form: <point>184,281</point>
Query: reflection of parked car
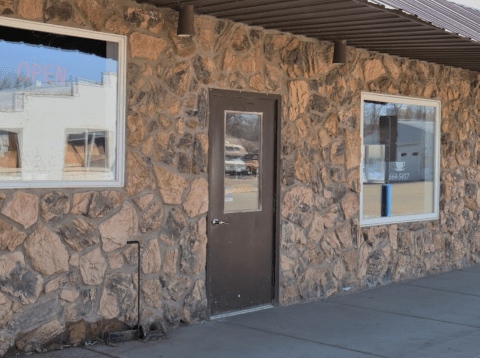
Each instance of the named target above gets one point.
<point>234,166</point>
<point>234,150</point>
<point>251,161</point>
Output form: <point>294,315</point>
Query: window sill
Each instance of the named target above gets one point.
<point>406,219</point>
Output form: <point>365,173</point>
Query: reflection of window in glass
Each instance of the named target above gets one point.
<point>424,161</point>
<point>400,180</point>
<point>9,151</point>
<point>86,150</point>
<point>242,163</point>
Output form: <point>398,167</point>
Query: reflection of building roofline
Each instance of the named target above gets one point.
<point>55,90</point>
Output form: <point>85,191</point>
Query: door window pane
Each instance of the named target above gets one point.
<point>242,161</point>
<point>399,153</point>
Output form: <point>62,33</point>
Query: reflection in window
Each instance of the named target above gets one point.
<point>86,151</point>
<point>399,159</point>
<point>9,152</point>
<point>242,163</point>
<point>61,94</point>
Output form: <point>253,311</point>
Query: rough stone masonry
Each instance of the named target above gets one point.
<point>66,273</point>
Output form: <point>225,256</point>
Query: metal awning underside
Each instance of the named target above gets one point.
<point>429,30</point>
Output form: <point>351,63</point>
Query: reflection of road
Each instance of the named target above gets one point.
<point>241,192</point>
<point>407,199</point>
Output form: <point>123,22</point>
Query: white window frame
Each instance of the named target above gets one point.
<point>436,175</point>
<point>119,180</point>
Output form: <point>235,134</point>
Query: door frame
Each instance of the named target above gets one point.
<point>277,183</point>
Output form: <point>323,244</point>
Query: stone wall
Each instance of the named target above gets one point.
<point>66,273</point>
<point>324,250</point>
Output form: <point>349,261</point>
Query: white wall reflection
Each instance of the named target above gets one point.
<point>43,117</point>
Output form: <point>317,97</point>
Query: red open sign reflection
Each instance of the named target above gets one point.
<point>60,73</point>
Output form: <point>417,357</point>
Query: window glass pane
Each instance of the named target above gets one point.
<point>97,157</point>
<point>242,161</point>
<point>398,159</point>
<point>75,152</point>
<point>60,92</point>
<point>9,155</point>
<point>86,155</point>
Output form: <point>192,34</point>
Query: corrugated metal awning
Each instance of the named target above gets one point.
<point>429,30</point>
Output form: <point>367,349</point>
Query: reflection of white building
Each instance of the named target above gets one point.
<point>415,154</point>
<point>60,132</point>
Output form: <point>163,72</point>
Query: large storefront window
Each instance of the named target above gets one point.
<point>61,106</point>
<point>400,159</point>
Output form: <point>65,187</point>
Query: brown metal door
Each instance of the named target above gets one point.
<point>241,219</point>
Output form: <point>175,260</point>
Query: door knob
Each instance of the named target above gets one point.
<point>218,222</point>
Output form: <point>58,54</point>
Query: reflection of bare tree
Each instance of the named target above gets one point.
<point>244,129</point>
<point>397,109</point>
<point>430,114</point>
<point>13,82</point>
<point>371,117</point>
<point>420,113</point>
<point>408,114</point>
<point>5,84</point>
<point>243,126</point>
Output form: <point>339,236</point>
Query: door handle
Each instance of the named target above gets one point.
<point>218,222</point>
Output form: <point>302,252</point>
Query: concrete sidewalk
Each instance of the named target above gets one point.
<point>436,317</point>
